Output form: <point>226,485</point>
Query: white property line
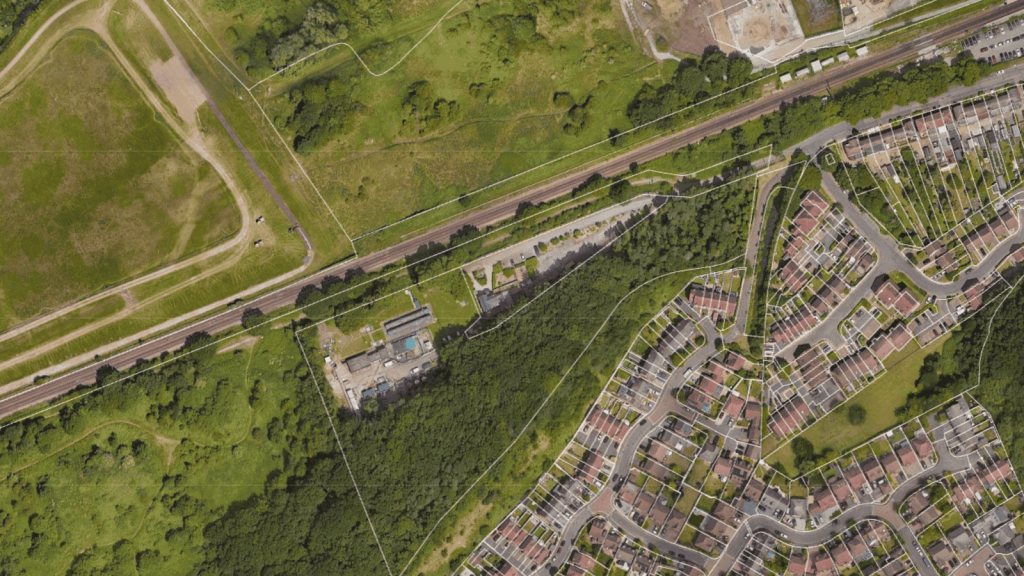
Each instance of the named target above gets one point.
<point>283,143</point>
<point>319,392</point>
<point>981,355</point>
<point>547,399</point>
<point>563,157</point>
<point>356,54</point>
<point>270,320</point>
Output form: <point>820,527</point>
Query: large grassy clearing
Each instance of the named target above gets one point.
<point>880,398</point>
<point>378,171</point>
<point>95,188</point>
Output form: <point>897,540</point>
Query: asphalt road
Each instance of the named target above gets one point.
<point>500,210</point>
<point>890,258</point>
<point>884,512</point>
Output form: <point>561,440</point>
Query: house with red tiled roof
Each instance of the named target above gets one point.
<point>881,347</point>
<point>792,276</point>
<point>803,223</point>
<point>814,203</point>
<point>887,293</point>
<point>858,549</point>
<point>705,543</point>
<point>872,469</point>
<point>906,303</point>
<point>699,401</point>
<point>797,564</point>
<point>855,477</point>
<point>823,563</point>
<point>906,455</point>
<point>823,500</point>
<point>840,488</point>
<point>734,361</point>
<point>709,387</point>
<point>899,336</point>
<point>716,372</point>
<point>708,300</point>
<point>752,411</point>
<point>973,292</point>
<point>841,556</point>
<point>722,468</point>
<point>923,447</point>
<point>891,464</point>
<point>733,406</point>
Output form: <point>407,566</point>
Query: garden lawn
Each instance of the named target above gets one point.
<point>880,398</point>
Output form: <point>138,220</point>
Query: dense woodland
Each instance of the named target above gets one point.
<point>412,462</point>
<point>956,368</point>
<point>692,82</point>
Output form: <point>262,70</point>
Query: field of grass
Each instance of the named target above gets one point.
<point>508,125</point>
<point>85,315</point>
<point>880,398</point>
<point>173,302</point>
<point>95,188</point>
<point>818,16</point>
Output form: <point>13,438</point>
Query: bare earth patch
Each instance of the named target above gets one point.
<point>179,86</point>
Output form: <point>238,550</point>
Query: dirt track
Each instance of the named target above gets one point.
<point>286,296</point>
<point>186,127</point>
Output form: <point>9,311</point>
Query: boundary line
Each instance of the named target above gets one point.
<point>356,54</point>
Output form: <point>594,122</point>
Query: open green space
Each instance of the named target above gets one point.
<point>880,399</point>
<point>103,308</point>
<point>95,188</point>
<point>490,94</point>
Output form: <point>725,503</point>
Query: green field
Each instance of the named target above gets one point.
<point>880,398</point>
<point>502,78</point>
<point>95,188</point>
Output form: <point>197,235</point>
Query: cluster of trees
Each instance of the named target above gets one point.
<point>41,459</point>
<point>12,15</point>
<point>802,118</point>
<point>317,112</point>
<point>424,111</point>
<point>984,349</point>
<point>578,116</point>
<point>288,32</point>
<point>871,96</point>
<point>692,82</point>
<point>319,28</point>
<point>412,462</point>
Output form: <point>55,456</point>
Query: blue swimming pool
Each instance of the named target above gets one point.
<point>410,344</point>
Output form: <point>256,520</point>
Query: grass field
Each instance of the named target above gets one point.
<point>818,16</point>
<point>508,125</point>
<point>880,398</point>
<point>95,189</point>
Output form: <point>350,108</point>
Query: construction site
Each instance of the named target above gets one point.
<point>767,31</point>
